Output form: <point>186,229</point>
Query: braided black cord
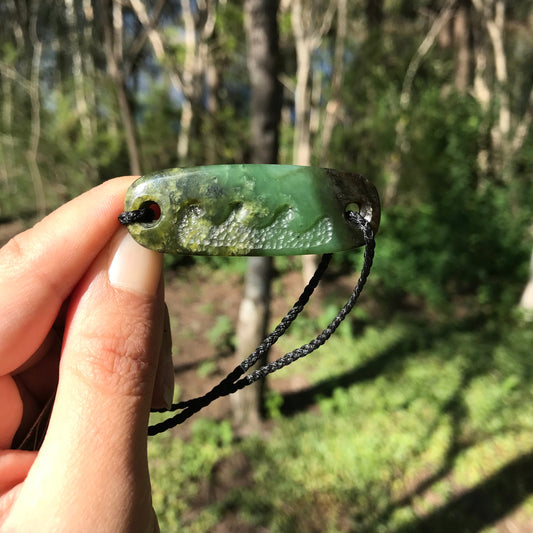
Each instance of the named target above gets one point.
<point>228,385</point>
<point>288,319</point>
<point>144,214</point>
<point>359,221</point>
<point>190,407</point>
<point>232,383</point>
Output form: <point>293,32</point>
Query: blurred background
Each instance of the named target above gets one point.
<point>418,414</point>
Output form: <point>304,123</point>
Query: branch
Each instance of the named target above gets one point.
<point>13,74</point>
<point>327,20</point>
<point>303,19</point>
<point>495,27</point>
<point>35,133</point>
<point>210,8</point>
<point>287,82</point>
<point>155,40</point>
<point>523,126</point>
<point>401,144</point>
<point>334,105</point>
<point>149,27</point>
<point>425,46</point>
<point>117,31</point>
<point>138,44</point>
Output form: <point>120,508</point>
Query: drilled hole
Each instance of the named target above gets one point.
<point>154,208</point>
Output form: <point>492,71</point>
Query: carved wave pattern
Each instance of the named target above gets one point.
<point>238,234</point>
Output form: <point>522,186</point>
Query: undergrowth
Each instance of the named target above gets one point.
<point>405,427</point>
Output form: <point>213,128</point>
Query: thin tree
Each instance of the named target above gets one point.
<point>526,301</point>
<point>310,20</point>
<point>265,109</point>
<point>78,76</point>
<point>401,145</point>
<point>35,98</point>
<point>509,130</point>
<point>111,20</point>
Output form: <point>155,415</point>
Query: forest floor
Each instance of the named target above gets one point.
<point>204,305</point>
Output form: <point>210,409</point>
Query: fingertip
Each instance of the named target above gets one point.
<point>134,268</point>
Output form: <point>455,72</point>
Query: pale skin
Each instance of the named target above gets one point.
<point>82,316</point>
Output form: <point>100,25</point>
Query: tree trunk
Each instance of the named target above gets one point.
<point>526,302</point>
<point>77,70</point>
<point>304,44</point>
<point>189,80</point>
<point>333,107</point>
<point>401,145</point>
<point>247,404</point>
<point>199,24</point>
<point>128,123</point>
<point>35,98</point>
<point>262,59</point>
<point>212,83</point>
<point>461,37</point>
<point>88,65</point>
<point>111,19</point>
<point>6,141</point>
<point>308,28</point>
<point>493,14</point>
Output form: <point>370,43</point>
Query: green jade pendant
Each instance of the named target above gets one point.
<point>257,210</point>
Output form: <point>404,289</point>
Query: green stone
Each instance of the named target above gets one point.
<point>252,210</point>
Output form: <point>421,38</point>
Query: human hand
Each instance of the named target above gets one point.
<point>82,317</point>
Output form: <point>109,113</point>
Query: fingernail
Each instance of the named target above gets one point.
<point>133,267</point>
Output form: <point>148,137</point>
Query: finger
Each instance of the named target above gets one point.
<point>40,379</point>
<point>14,466</point>
<point>40,267</point>
<point>164,379</point>
<point>35,385</point>
<point>99,421</point>
<point>10,410</point>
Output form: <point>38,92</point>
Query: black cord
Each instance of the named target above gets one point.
<point>320,339</point>
<point>234,381</point>
<point>144,214</point>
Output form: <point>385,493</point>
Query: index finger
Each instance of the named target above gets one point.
<point>40,267</point>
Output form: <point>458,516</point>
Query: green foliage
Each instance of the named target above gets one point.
<point>158,127</point>
<point>453,234</point>
<point>407,409</point>
<point>222,334</point>
<point>230,25</point>
<point>235,265</point>
<point>66,148</point>
<point>207,368</point>
<point>273,404</point>
<point>179,468</point>
<point>399,423</point>
<point>68,162</point>
<point>407,412</point>
<point>365,135</point>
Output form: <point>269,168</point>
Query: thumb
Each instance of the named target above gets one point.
<point>94,453</point>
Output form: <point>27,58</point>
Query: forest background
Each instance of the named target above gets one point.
<point>418,415</point>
